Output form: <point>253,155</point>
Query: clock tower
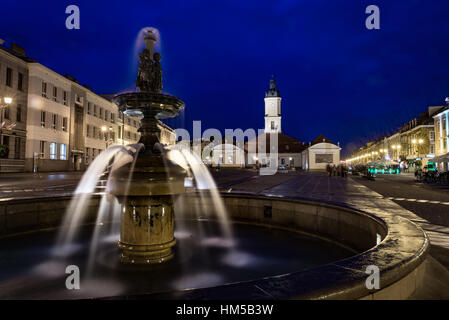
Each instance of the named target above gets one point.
<point>272,109</point>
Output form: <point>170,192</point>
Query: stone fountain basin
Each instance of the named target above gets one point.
<point>399,256</point>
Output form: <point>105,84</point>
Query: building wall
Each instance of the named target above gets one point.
<point>14,113</point>
<point>319,149</point>
<point>441,123</point>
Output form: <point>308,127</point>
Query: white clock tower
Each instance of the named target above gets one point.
<point>272,109</point>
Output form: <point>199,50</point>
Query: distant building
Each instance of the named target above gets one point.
<point>320,153</point>
<point>413,145</point>
<point>441,137</point>
<point>13,115</point>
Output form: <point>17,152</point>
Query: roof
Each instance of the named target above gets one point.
<point>16,53</point>
<point>286,144</point>
<point>321,139</point>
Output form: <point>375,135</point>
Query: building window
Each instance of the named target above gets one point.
<point>88,131</point>
<point>64,124</point>
<point>18,143</point>
<point>128,134</point>
<point>53,151</point>
<point>54,118</point>
<point>89,105</point>
<point>105,115</point>
<point>42,148</point>
<point>63,151</point>
<point>78,99</point>
<point>129,121</point>
<point>64,97</point>
<point>120,135</point>
<point>135,123</point>
<point>112,117</point>
<point>101,113</point>
<point>9,77</point>
<point>6,114</point>
<point>432,135</point>
<point>20,82</point>
<point>43,115</point>
<point>55,94</point>
<point>19,113</point>
<point>95,110</point>
<point>272,125</point>
<point>44,89</point>
<point>432,149</point>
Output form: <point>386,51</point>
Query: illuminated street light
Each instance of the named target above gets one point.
<point>421,141</point>
<point>8,100</point>
<point>414,141</point>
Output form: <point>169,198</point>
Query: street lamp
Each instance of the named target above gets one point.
<point>4,104</point>
<point>104,129</point>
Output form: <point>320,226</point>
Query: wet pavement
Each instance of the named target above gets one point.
<point>426,205</point>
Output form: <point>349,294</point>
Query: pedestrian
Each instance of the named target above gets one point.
<point>329,169</point>
<point>334,170</point>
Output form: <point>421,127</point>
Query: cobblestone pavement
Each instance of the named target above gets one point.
<point>351,191</point>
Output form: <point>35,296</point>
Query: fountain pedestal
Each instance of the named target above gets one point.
<point>147,217</point>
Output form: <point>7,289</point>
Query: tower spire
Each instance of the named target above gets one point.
<point>272,92</point>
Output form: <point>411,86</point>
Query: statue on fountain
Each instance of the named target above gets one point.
<point>149,76</point>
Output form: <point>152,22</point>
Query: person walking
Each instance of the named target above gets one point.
<point>329,169</point>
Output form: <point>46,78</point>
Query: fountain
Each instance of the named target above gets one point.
<point>146,191</point>
<point>277,248</point>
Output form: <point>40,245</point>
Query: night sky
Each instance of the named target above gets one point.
<point>336,77</point>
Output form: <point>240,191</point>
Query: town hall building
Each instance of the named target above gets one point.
<point>288,148</point>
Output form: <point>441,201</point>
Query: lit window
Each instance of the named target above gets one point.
<point>53,150</point>
<point>63,152</point>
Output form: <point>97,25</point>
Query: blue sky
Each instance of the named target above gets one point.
<point>336,77</point>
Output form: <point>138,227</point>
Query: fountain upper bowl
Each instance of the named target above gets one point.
<point>160,105</point>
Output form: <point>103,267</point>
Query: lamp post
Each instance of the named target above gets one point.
<point>105,129</point>
<point>4,103</point>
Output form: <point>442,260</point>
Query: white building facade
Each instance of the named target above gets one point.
<point>59,125</point>
<point>320,153</point>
